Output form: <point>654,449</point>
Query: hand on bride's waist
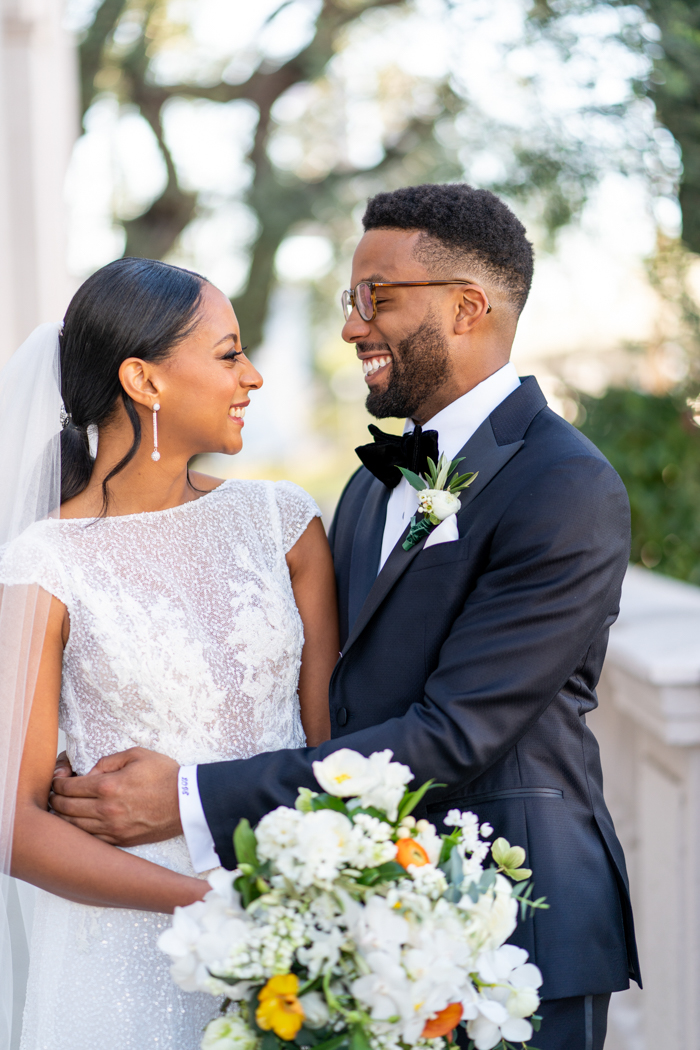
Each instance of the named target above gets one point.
<point>126,799</point>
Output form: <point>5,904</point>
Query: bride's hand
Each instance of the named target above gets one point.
<point>126,799</point>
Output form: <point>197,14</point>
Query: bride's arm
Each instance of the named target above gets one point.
<point>53,854</point>
<point>313,582</point>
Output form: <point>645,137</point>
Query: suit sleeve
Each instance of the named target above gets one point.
<point>552,581</point>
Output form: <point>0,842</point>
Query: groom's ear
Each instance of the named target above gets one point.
<point>471,306</point>
<point>137,378</point>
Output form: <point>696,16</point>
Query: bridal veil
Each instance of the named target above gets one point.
<point>30,490</point>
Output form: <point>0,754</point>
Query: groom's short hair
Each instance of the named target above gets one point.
<point>462,227</point>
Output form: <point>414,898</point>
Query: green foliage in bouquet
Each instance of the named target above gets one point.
<point>350,925</point>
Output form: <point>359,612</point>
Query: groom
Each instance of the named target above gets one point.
<point>475,654</point>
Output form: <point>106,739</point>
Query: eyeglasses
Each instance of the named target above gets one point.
<point>363,296</point>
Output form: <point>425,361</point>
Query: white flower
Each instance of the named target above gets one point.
<point>439,503</point>
<point>371,843</point>
<point>377,927</point>
<point>469,823</point>
<point>228,1033</point>
<point>316,1013</point>
<point>385,990</point>
<point>515,980</point>
<point>344,773</point>
<point>429,880</point>
<point>522,1002</point>
<point>431,842</point>
<point>221,881</point>
<point>493,916</point>
<point>277,831</point>
<point>388,783</point>
<point>324,951</point>
<point>376,781</point>
<point>485,1029</point>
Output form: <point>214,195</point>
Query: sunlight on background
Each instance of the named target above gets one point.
<point>591,300</point>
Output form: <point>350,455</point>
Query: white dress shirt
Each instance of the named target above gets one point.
<point>455,424</point>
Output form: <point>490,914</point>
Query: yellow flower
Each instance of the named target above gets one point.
<point>279,1009</point>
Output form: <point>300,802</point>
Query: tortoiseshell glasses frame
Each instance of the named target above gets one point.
<point>363,296</point>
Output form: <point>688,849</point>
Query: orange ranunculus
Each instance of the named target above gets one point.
<point>279,1009</point>
<point>443,1022</point>
<point>408,851</point>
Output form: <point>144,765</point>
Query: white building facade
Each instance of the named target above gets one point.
<point>38,125</point>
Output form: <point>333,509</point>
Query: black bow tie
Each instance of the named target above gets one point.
<point>390,452</point>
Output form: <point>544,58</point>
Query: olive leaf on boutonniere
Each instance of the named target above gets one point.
<point>437,495</point>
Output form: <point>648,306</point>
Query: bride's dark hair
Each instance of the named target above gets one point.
<point>130,308</point>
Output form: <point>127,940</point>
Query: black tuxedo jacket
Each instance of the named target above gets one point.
<point>476,662</point>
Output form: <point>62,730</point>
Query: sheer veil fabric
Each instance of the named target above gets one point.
<point>30,490</point>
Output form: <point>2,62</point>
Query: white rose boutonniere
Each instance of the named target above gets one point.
<point>437,496</point>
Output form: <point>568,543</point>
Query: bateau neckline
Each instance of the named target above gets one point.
<point>141,514</point>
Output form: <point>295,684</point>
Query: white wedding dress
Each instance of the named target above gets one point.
<point>185,639</point>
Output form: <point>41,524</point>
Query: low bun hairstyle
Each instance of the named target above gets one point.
<point>130,308</point>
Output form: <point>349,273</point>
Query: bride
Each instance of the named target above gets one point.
<point>157,608</point>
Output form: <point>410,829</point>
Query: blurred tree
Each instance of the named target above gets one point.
<point>279,199</point>
<point>654,445</point>
<point>667,34</point>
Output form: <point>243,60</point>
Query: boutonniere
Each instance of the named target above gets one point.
<point>437,495</point>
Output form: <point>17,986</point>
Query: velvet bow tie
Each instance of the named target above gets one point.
<point>388,452</point>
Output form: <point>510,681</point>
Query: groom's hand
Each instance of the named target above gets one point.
<point>126,799</point>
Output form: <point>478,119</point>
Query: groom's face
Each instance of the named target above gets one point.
<point>404,350</point>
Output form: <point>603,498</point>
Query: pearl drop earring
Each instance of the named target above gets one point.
<point>155,454</point>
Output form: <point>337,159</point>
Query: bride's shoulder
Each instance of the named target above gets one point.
<point>34,557</point>
<point>278,505</point>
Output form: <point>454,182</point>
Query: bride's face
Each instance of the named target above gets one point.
<point>204,387</point>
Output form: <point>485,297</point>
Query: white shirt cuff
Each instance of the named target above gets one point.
<point>194,824</point>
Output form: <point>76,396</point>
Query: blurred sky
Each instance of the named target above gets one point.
<point>590,294</point>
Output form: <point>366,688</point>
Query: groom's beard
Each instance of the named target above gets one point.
<point>420,366</point>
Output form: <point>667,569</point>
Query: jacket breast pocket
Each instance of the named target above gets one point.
<point>500,795</point>
<point>441,554</point>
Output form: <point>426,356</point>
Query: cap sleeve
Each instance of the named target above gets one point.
<point>296,509</point>
<point>29,559</point>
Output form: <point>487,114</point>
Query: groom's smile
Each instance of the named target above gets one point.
<point>376,362</point>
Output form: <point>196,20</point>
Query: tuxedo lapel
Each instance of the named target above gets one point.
<point>366,548</point>
<point>481,453</point>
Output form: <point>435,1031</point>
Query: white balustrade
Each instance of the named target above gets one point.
<point>648,727</point>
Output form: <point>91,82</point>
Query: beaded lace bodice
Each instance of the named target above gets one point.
<point>184,638</point>
<point>184,634</point>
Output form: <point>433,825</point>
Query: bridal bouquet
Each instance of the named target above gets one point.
<point>349,924</point>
